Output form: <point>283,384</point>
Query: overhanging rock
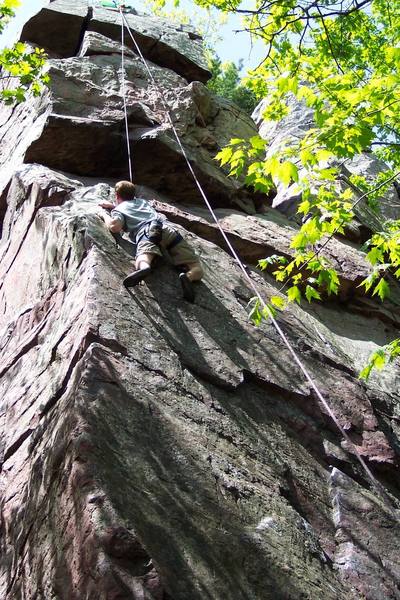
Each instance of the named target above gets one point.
<point>78,125</point>
<point>60,27</point>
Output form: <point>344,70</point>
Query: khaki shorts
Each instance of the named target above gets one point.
<point>181,254</point>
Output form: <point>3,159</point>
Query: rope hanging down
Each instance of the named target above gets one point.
<point>123,89</point>
<point>376,484</point>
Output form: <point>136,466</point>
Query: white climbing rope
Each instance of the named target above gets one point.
<point>376,484</point>
<point>123,90</point>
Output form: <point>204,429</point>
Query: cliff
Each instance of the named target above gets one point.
<point>150,448</point>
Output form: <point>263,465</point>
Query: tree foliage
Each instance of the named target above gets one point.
<point>342,60</point>
<point>21,67</point>
<point>226,82</point>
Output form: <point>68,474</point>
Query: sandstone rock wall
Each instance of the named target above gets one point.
<point>152,449</point>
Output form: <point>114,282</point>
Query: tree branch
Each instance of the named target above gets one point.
<point>329,41</point>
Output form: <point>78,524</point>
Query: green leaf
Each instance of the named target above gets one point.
<point>271,166</point>
<point>323,155</point>
<point>257,142</point>
<point>278,302</point>
<point>304,207</point>
<point>11,3</point>
<point>380,358</point>
<point>377,360</point>
<point>328,174</point>
<point>375,255</point>
<point>279,274</point>
<point>307,157</point>
<point>366,372</point>
<point>268,311</point>
<point>369,281</point>
<point>330,279</point>
<point>286,172</point>
<point>255,313</point>
<point>255,168</point>
<point>272,260</point>
<point>312,294</point>
<point>299,241</point>
<point>224,155</point>
<point>294,294</point>
<point>382,289</point>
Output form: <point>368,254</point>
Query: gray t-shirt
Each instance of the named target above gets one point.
<point>133,215</point>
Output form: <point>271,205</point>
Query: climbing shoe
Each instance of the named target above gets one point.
<point>187,287</point>
<point>136,277</point>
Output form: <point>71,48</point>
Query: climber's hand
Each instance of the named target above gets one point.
<point>107,205</point>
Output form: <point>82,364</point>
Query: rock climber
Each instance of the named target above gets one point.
<point>152,234</point>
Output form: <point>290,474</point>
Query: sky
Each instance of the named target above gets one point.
<point>233,46</point>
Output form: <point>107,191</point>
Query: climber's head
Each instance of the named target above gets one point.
<point>124,190</point>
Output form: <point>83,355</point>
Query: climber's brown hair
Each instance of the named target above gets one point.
<point>125,190</point>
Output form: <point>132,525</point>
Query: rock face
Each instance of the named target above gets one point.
<point>60,27</point>
<point>78,125</point>
<point>150,448</point>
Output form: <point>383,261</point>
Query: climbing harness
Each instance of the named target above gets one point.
<point>152,232</point>
<point>375,483</point>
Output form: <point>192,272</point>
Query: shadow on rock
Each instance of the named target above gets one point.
<point>212,338</point>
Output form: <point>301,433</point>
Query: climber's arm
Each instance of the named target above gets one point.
<point>113,224</point>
